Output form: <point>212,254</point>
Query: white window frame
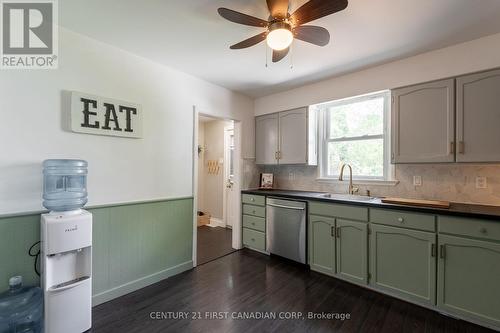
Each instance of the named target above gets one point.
<point>389,172</point>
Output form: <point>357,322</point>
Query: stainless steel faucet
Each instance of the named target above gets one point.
<point>352,189</point>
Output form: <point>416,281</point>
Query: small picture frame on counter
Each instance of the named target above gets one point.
<point>266,180</point>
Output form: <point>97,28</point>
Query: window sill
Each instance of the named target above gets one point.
<point>380,182</point>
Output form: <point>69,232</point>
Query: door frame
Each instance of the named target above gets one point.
<point>227,132</point>
<point>236,228</point>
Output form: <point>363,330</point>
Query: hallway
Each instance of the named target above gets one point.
<point>213,243</point>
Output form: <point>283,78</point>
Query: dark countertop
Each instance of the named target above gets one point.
<point>456,209</point>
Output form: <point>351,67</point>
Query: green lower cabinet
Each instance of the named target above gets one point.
<point>254,239</point>
<point>403,263</point>
<point>351,251</point>
<point>322,244</point>
<point>469,278</point>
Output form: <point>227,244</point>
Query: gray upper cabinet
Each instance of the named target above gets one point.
<point>478,117</point>
<point>423,123</point>
<point>266,139</point>
<point>287,137</point>
<point>293,136</point>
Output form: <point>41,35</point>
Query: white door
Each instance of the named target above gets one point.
<point>229,179</point>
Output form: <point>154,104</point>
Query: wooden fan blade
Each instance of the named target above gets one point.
<point>249,42</point>
<point>241,18</point>
<point>312,34</point>
<point>278,8</point>
<point>315,9</point>
<point>278,55</point>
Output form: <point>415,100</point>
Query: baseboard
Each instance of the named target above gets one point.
<point>131,286</point>
<point>215,222</point>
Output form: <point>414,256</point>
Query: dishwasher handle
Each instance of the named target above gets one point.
<point>286,207</point>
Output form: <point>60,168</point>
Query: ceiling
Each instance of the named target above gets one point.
<point>190,36</point>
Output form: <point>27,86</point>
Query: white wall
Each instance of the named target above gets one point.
<point>120,169</point>
<point>476,55</point>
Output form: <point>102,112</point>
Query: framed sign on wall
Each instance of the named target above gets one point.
<point>105,116</point>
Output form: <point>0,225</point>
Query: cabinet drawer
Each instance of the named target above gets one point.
<point>403,219</point>
<point>254,239</point>
<point>469,227</point>
<point>339,210</point>
<point>252,199</point>
<point>259,211</point>
<point>256,223</point>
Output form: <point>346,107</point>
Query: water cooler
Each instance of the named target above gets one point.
<point>66,248</point>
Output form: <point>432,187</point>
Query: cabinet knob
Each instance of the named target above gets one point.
<point>483,231</point>
<point>253,223</point>
<point>253,239</point>
<point>252,199</point>
<point>253,211</point>
<point>400,219</point>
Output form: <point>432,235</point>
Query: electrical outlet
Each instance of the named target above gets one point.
<point>291,176</point>
<point>417,180</point>
<point>481,182</point>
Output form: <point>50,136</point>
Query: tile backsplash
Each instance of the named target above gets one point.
<point>251,174</point>
<point>451,182</point>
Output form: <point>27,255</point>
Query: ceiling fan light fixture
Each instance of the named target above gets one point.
<point>280,36</point>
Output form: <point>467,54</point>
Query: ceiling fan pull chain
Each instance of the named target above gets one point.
<point>291,55</point>
<point>265,48</point>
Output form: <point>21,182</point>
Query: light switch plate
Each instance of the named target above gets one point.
<point>417,180</point>
<point>481,182</point>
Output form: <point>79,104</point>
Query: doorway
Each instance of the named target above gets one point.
<point>215,188</point>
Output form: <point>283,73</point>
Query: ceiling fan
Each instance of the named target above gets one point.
<point>282,27</point>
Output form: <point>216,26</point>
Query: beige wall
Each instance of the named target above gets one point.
<point>211,186</point>
<point>454,182</point>
<point>201,169</point>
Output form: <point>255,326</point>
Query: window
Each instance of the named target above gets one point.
<point>355,131</point>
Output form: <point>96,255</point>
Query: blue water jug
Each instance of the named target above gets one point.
<point>64,184</point>
<point>21,308</point>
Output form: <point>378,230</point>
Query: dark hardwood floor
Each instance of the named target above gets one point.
<point>213,243</point>
<point>246,281</point>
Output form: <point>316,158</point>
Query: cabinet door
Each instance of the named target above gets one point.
<point>478,117</point>
<point>403,263</point>
<point>293,136</point>
<point>266,139</point>
<point>322,244</point>
<point>469,278</point>
<point>352,252</point>
<point>423,126</point>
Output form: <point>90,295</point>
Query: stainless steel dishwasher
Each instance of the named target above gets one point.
<point>286,228</point>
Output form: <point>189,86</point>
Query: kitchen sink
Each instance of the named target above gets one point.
<point>350,197</point>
